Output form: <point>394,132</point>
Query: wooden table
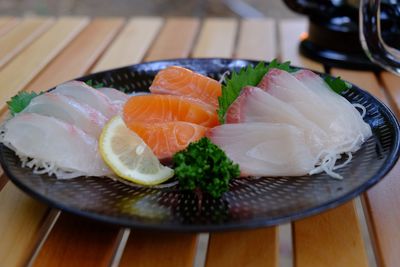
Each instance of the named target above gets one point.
<point>38,53</point>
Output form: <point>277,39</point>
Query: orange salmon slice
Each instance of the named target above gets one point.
<point>154,108</point>
<point>177,80</point>
<point>167,138</point>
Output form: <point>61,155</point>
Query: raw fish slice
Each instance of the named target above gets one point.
<point>114,95</point>
<point>68,110</point>
<point>167,138</point>
<point>349,115</point>
<point>155,108</point>
<point>176,80</point>
<point>330,118</point>
<point>264,149</point>
<point>86,94</point>
<point>255,105</point>
<point>56,146</point>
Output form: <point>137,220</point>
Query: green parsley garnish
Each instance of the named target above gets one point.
<point>205,166</point>
<point>337,84</point>
<point>20,101</point>
<point>246,76</point>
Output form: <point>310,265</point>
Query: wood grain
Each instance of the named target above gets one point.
<point>290,34</point>
<point>7,24</point>
<point>131,44</point>
<point>26,65</point>
<point>21,36</point>
<point>243,248</point>
<point>159,249</point>
<point>330,239</point>
<point>322,240</point>
<point>217,38</point>
<point>257,40</point>
<point>21,224</point>
<point>78,57</point>
<point>78,242</point>
<point>166,45</point>
<point>383,200</point>
<point>252,247</point>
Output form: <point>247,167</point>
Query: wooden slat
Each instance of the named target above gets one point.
<point>330,239</point>
<point>21,36</point>
<point>7,24</point>
<point>217,38</point>
<point>290,33</point>
<point>21,220</point>
<point>159,249</point>
<point>80,55</point>
<point>16,75</point>
<point>140,32</point>
<point>85,243</point>
<point>324,239</point>
<point>162,249</point>
<point>243,248</point>
<point>167,45</point>
<point>383,201</point>
<point>257,39</point>
<point>252,247</point>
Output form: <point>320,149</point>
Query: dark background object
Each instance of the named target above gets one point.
<point>333,37</point>
<point>249,203</point>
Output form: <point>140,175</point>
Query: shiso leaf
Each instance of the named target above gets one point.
<point>20,101</point>
<point>250,75</point>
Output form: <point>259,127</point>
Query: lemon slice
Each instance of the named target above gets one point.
<point>128,155</point>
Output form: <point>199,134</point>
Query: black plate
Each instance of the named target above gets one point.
<point>249,203</point>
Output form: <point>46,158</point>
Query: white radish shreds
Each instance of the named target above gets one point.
<point>363,109</point>
<point>223,76</point>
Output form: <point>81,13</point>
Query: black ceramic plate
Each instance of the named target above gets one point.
<point>249,203</point>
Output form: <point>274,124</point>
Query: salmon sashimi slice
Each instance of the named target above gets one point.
<point>155,108</point>
<point>167,138</point>
<point>176,80</point>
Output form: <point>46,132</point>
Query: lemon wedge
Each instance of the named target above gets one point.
<point>129,156</point>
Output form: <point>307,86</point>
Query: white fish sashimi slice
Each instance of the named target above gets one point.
<point>59,147</point>
<point>287,88</point>
<point>346,112</point>
<point>256,105</point>
<point>68,110</point>
<point>265,149</point>
<point>114,94</point>
<point>88,95</point>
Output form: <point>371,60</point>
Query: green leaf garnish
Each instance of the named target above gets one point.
<point>94,84</point>
<point>20,101</point>
<point>205,166</point>
<point>247,76</point>
<point>337,84</point>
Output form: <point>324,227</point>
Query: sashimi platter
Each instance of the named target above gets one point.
<point>198,144</point>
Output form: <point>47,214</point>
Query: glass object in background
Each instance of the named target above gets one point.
<point>378,48</point>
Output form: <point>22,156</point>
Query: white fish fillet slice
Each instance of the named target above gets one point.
<point>347,113</point>
<point>68,110</point>
<point>48,140</point>
<point>265,149</point>
<point>114,94</point>
<point>328,116</point>
<point>256,105</point>
<point>88,95</point>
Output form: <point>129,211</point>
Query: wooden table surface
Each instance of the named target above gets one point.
<point>37,53</point>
